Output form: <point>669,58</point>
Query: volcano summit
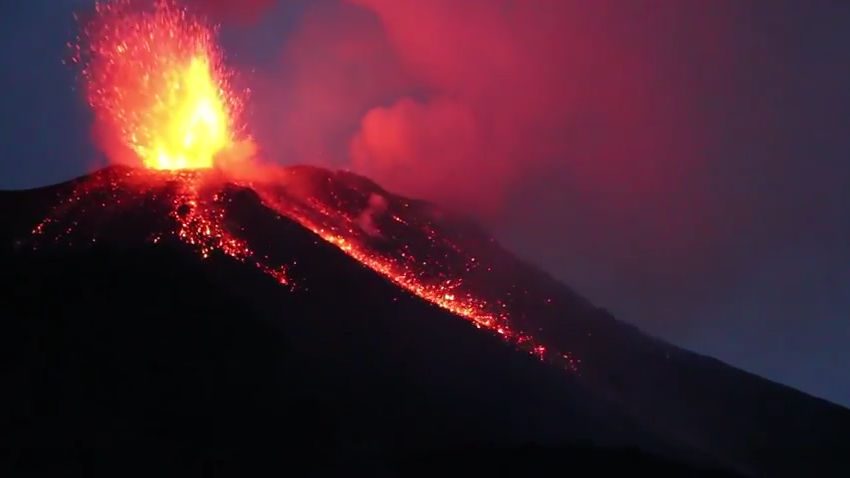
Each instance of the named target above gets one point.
<point>312,319</point>
<point>206,313</point>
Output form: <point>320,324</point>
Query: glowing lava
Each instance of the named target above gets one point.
<point>200,218</point>
<point>157,84</point>
<point>155,78</point>
<point>434,269</point>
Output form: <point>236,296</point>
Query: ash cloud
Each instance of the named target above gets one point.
<point>656,155</point>
<point>467,103</point>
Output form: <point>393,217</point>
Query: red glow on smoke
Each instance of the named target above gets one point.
<point>156,82</point>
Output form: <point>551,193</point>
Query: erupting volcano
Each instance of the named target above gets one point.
<point>315,303</point>
<point>156,80</point>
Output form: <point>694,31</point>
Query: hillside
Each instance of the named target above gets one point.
<point>114,341</point>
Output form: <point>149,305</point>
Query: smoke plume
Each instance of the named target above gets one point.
<point>377,206</point>
<point>495,108</point>
<point>658,155</point>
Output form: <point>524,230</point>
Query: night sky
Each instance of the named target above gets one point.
<point>685,164</point>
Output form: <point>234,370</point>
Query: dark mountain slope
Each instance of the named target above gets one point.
<point>124,345</point>
<point>760,426</point>
<point>120,355</point>
<point>111,370</point>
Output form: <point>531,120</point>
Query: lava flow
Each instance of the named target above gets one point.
<point>155,79</point>
<point>406,249</point>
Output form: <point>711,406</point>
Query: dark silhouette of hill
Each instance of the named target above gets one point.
<point>734,416</point>
<point>121,355</point>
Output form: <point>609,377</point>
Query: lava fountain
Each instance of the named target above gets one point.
<point>157,83</point>
<point>155,79</point>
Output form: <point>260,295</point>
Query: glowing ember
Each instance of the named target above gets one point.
<point>155,79</point>
<point>200,220</point>
<point>193,212</point>
<point>194,208</point>
<point>445,290</point>
<point>154,76</point>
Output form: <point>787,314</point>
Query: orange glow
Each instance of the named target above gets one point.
<point>200,223</point>
<point>195,208</point>
<point>196,205</point>
<point>448,293</point>
<point>155,77</point>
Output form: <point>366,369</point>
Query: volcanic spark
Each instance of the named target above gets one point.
<point>425,262</point>
<point>156,80</point>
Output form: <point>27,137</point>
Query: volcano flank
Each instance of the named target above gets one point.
<point>311,322</point>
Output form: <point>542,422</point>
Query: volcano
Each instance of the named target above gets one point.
<point>310,321</point>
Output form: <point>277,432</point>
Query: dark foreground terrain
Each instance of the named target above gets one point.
<point>120,357</point>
